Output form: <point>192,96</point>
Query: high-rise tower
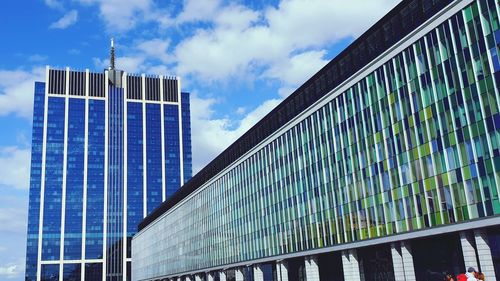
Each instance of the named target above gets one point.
<point>107,149</point>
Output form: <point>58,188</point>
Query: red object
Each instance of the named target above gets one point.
<point>461,277</point>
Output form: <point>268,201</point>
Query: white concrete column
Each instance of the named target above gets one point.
<point>210,276</point>
<point>222,276</point>
<point>353,270</point>
<point>484,254</point>
<point>189,278</point>
<point>197,277</point>
<point>258,275</point>
<point>408,265</point>
<point>346,266</point>
<point>468,250</point>
<point>397,262</point>
<point>312,268</point>
<point>179,278</point>
<point>238,274</point>
<point>282,270</point>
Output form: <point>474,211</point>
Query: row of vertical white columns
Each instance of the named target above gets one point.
<point>222,276</point>
<point>258,275</point>
<point>282,270</point>
<point>475,247</point>
<point>351,266</point>
<point>477,242</point>
<point>312,268</point>
<point>402,260</point>
<point>238,274</point>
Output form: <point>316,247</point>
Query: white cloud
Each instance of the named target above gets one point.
<point>237,17</point>
<point>198,10</point>
<point>54,4</point>
<point>296,70</point>
<point>122,15</point>
<point>37,58</point>
<point>211,135</point>
<point>16,91</point>
<point>10,271</point>
<point>244,41</point>
<point>15,163</point>
<point>241,110</point>
<point>13,220</point>
<point>130,64</point>
<point>286,42</point>
<point>156,48</point>
<point>308,23</point>
<point>66,21</point>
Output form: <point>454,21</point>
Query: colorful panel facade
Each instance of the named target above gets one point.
<point>412,145</point>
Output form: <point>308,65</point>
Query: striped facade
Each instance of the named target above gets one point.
<point>406,148</point>
<point>107,149</point>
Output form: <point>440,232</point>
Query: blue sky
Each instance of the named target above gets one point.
<point>239,59</point>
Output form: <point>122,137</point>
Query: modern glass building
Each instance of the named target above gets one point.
<point>385,165</point>
<point>107,149</point>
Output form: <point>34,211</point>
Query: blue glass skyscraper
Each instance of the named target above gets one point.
<point>107,149</point>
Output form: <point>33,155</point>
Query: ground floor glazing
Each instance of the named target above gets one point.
<point>420,259</point>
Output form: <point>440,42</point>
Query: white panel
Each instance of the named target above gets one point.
<point>64,176</point>
<point>85,166</point>
<point>484,254</point>
<point>42,177</point>
<point>312,268</point>
<point>468,250</point>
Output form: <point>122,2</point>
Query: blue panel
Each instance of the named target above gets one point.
<point>74,180</point>
<point>134,167</point>
<point>186,137</point>
<point>153,154</point>
<point>72,272</point>
<point>172,149</point>
<point>115,202</point>
<point>93,271</point>
<point>35,181</point>
<point>53,179</point>
<point>95,181</point>
<point>50,272</point>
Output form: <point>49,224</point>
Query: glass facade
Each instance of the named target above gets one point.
<point>153,156</point>
<point>35,182</point>
<point>52,209</point>
<point>74,180</point>
<point>135,167</point>
<point>115,188</point>
<point>186,137</point>
<point>96,164</point>
<point>172,152</point>
<point>411,145</point>
<point>95,181</point>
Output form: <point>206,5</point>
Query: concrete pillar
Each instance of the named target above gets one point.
<point>258,275</point>
<point>408,264</point>
<point>189,278</point>
<point>238,274</point>
<point>346,266</point>
<point>468,250</point>
<point>397,262</point>
<point>222,276</point>
<point>353,270</point>
<point>282,270</point>
<point>312,268</point>
<point>210,276</point>
<point>484,254</point>
<point>197,277</point>
<point>179,278</point>
<point>402,261</point>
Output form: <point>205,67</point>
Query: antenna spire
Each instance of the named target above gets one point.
<point>112,55</point>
